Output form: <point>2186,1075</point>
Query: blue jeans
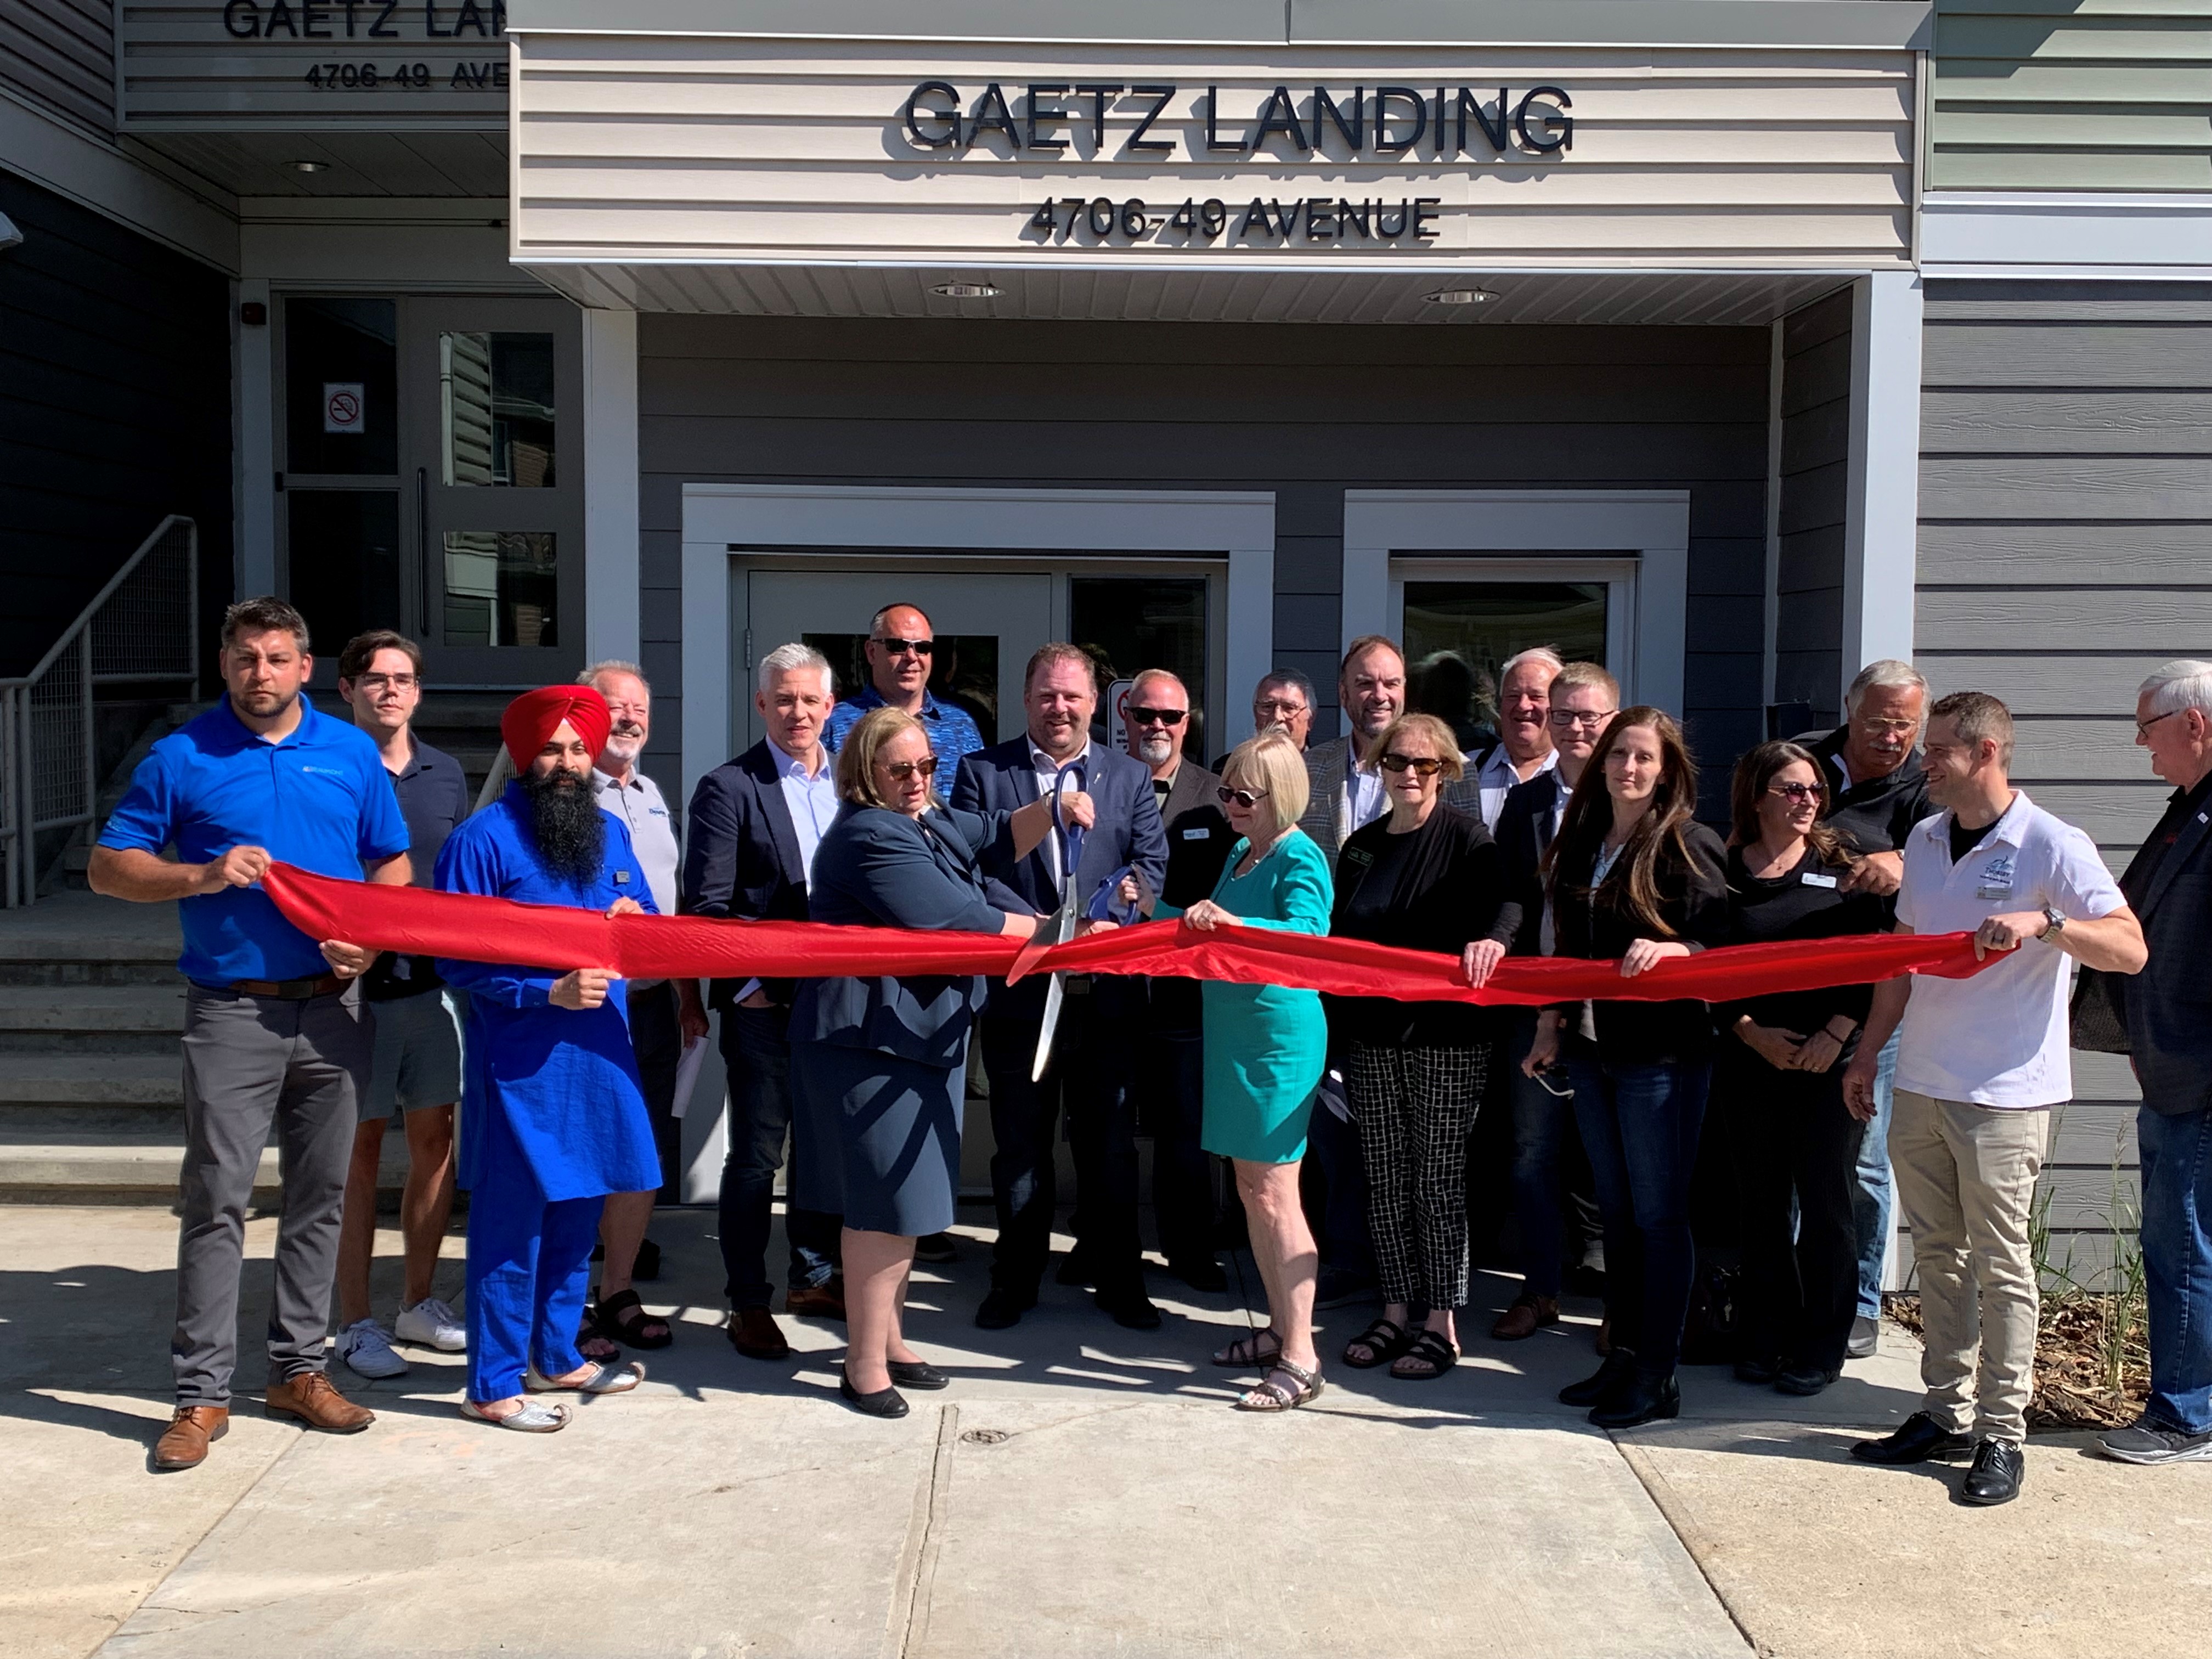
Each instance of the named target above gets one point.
<point>2177,1247</point>
<point>1640,1124</point>
<point>1870,1207</point>
<point>1543,1117</point>
<point>758,1052</point>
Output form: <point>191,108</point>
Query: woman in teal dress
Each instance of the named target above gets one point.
<point>1264,1048</point>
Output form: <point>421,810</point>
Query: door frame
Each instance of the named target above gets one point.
<point>1389,534</point>
<point>726,525</point>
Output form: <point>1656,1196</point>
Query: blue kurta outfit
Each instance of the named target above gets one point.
<point>553,1115</point>
<point>1265,1045</point>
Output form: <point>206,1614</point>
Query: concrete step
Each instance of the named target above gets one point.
<point>92,1010</point>
<point>65,1080</point>
<point>130,1167</point>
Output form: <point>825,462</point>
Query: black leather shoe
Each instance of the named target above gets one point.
<point>1758,1372</point>
<point>885,1402</point>
<point>1074,1268</point>
<point>1804,1380</point>
<point>918,1374</point>
<point>1603,1383</point>
<point>1003,1309</point>
<point>1200,1273</point>
<point>1915,1440</point>
<point>1995,1474</point>
<point>1646,1400</point>
<point>1131,1308</point>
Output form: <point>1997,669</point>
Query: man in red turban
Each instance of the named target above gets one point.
<point>532,719</point>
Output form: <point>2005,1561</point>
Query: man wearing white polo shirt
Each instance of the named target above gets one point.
<point>1980,1063</point>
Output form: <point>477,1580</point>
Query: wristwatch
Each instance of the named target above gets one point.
<point>2054,921</point>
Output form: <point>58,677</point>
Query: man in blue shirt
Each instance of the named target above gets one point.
<point>274,1025</point>
<point>901,649</point>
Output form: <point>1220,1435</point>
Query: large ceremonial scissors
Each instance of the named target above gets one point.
<point>1060,927</point>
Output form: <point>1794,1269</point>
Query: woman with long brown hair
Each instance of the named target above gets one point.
<point>1633,875</point>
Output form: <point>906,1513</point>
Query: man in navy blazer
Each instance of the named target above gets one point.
<point>1089,1070</point>
<point>755,823</point>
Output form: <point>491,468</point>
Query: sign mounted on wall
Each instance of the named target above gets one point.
<point>345,408</point>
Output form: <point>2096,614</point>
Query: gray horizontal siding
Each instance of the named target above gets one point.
<point>61,54</point>
<point>1816,398</point>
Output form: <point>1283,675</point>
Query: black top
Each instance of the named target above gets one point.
<point>1199,842</point>
<point>2181,806</point>
<point>1964,841</point>
<point>1524,835</point>
<point>434,798</point>
<point>1809,903</point>
<point>1876,814</point>
<point>1692,902</point>
<point>1432,889</point>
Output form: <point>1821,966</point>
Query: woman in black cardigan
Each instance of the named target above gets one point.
<point>1632,875</point>
<point>1426,878</point>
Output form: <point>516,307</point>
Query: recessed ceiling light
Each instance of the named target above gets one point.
<point>308,167</point>
<point>1459,296</point>
<point>967,290</point>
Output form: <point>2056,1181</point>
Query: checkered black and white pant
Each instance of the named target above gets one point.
<point>1414,1108</point>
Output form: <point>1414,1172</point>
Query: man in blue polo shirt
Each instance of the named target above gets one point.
<point>274,1025</point>
<point>901,649</point>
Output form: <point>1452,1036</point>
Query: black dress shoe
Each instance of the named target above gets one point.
<point>936,1249</point>
<point>1758,1372</point>
<point>1915,1440</point>
<point>1200,1273</point>
<point>1074,1268</point>
<point>1129,1307</point>
<point>1646,1400</point>
<point>647,1265</point>
<point>1609,1379</point>
<point>1805,1381</point>
<point>918,1374</point>
<point>1003,1309</point>
<point>1994,1476</point>
<point>885,1402</point>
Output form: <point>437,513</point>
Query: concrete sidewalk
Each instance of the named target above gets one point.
<point>1080,1489</point>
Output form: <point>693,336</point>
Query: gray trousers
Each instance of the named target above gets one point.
<point>250,1061</point>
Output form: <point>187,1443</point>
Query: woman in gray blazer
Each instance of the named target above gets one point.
<point>881,1062</point>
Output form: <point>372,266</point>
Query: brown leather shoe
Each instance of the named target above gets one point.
<point>825,1301</point>
<point>310,1399</point>
<point>755,1333</point>
<point>184,1444</point>
<point>1528,1316</point>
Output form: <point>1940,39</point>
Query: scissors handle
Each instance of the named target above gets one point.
<point>1071,835</point>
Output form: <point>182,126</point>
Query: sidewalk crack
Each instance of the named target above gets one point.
<point>910,1598</point>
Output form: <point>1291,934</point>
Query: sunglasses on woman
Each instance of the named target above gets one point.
<point>1795,793</point>
<point>901,770</point>
<point>1426,766</point>
<point>1247,799</point>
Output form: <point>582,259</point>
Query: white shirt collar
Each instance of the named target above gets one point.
<point>1043,763</point>
<point>788,765</point>
<point>2007,828</point>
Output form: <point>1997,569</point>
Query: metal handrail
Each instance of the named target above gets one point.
<point>143,624</point>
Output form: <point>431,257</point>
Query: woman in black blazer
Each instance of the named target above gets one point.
<point>881,1062</point>
<point>1633,876</point>
<point>1426,878</point>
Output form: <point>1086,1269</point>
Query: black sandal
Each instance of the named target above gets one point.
<point>623,1318</point>
<point>1431,1348</point>
<point>1246,1351</point>
<point>1272,1396</point>
<point>1383,1341</point>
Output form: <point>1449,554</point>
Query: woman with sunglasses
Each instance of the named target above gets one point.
<point>1633,877</point>
<point>1264,1048</point>
<point>1426,878</point>
<point>1779,1079</point>
<point>881,1063</point>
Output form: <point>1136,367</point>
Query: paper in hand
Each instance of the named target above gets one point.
<point>687,1074</point>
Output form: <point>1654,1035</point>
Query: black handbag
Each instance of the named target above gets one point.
<point>2100,1014</point>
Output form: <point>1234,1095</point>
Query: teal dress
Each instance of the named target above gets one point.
<point>1265,1044</point>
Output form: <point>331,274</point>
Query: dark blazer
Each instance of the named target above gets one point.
<point>1524,835</point>
<point>882,869</point>
<point>1001,778</point>
<point>1198,843</point>
<point>2168,1006</point>
<point>741,856</point>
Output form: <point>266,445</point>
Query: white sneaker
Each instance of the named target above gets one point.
<point>431,1324</point>
<point>367,1352</point>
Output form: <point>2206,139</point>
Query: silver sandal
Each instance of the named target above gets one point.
<point>1246,1351</point>
<point>613,1377</point>
<point>1272,1396</point>
<point>530,1419</point>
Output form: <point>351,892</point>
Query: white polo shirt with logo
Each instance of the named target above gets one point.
<point>1999,1038</point>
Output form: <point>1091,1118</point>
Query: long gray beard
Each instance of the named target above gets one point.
<point>566,826</point>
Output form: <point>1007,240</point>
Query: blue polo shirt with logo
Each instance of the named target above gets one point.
<point>318,798</point>
<point>951,729</point>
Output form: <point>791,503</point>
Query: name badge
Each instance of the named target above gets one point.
<point>621,877</point>
<point>1354,855</point>
<point>1814,879</point>
<point>1997,878</point>
<point>1196,835</point>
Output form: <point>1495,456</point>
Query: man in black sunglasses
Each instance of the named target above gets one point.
<point>901,651</point>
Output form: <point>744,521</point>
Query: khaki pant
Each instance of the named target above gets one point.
<point>1966,1175</point>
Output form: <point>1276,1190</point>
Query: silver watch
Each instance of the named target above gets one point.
<point>2054,921</point>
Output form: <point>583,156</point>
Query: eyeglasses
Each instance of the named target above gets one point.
<point>901,770</point>
<point>903,648</point>
<point>1796,791</point>
<point>1282,706</point>
<point>1884,728</point>
<point>1158,716</point>
<point>2142,727</point>
<point>408,682</point>
<point>1247,799</point>
<point>1426,766</point>
<point>1593,718</point>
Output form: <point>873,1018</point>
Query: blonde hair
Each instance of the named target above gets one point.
<point>856,755</point>
<point>1271,760</point>
<point>1428,725</point>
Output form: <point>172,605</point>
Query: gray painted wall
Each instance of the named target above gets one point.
<point>1816,398</point>
<point>61,54</point>
<point>1303,411</point>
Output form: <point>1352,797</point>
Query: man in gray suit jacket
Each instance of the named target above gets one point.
<point>2168,1009</point>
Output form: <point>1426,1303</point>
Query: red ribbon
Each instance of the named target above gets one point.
<point>471,928</point>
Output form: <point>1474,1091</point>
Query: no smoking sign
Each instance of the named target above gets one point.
<point>345,408</point>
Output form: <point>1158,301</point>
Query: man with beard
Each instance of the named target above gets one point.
<point>553,1115</point>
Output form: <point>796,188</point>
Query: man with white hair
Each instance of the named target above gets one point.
<point>1524,748</point>
<point>755,823</point>
<point>2167,1014</point>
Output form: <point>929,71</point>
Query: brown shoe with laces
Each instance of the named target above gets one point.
<point>825,1301</point>
<point>1528,1316</point>
<point>184,1444</point>
<point>309,1398</point>
<point>755,1333</point>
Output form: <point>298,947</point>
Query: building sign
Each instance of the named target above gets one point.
<point>240,63</point>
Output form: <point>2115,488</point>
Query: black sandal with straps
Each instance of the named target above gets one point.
<point>1431,1348</point>
<point>1259,1347</point>
<point>1272,1396</point>
<point>1382,1342</point>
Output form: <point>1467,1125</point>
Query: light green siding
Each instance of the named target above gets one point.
<point>2072,95</point>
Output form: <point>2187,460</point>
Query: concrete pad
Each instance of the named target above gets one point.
<point>89,1531</point>
<point>1821,1557</point>
<point>1158,1530</point>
